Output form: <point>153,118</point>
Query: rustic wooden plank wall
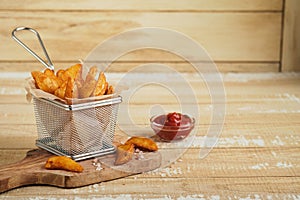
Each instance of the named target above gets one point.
<point>241,36</point>
<point>291,36</point>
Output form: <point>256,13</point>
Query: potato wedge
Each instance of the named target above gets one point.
<point>64,163</point>
<point>91,74</point>
<point>87,89</point>
<point>68,83</point>
<point>101,85</point>
<point>61,75</point>
<point>143,143</point>
<point>74,72</point>
<point>89,84</point>
<point>60,92</point>
<point>124,153</point>
<point>49,72</point>
<point>47,83</point>
<point>71,89</point>
<point>110,90</point>
<point>34,75</point>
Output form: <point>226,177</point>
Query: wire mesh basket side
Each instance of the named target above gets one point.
<point>50,121</point>
<point>74,133</point>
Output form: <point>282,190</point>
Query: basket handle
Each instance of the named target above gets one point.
<point>49,65</point>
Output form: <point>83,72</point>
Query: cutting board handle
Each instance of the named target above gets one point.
<point>22,173</point>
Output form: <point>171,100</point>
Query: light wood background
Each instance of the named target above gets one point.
<point>240,36</point>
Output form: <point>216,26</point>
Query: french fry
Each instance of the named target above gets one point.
<point>124,153</point>
<point>64,163</point>
<point>143,143</point>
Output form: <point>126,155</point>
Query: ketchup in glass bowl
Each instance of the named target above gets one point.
<point>172,126</point>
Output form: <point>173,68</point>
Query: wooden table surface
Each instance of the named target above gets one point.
<point>257,155</point>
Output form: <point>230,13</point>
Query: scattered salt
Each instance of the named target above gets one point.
<point>97,164</point>
<point>139,155</point>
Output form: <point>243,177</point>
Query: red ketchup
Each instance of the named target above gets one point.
<point>173,126</point>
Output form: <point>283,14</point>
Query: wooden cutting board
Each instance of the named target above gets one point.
<point>31,171</point>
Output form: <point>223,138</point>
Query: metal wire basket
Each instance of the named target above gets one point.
<point>79,131</point>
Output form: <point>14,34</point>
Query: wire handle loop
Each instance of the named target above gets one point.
<point>49,65</point>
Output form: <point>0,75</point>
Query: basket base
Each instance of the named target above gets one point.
<point>102,152</point>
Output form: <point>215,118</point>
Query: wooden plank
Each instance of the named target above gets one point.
<point>116,67</point>
<point>256,156</point>
<point>12,90</point>
<point>12,156</point>
<point>271,162</point>
<point>249,135</point>
<point>236,113</point>
<point>230,39</point>
<point>291,41</point>
<point>195,188</point>
<point>154,5</point>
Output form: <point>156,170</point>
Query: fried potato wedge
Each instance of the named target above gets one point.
<point>110,90</point>
<point>64,163</point>
<point>49,72</point>
<point>61,75</point>
<point>101,85</point>
<point>69,83</point>
<point>143,143</point>
<point>124,153</point>
<point>60,92</point>
<point>87,89</point>
<point>74,72</point>
<point>47,83</point>
<point>89,84</point>
<point>71,89</point>
<point>91,74</point>
<point>34,75</point>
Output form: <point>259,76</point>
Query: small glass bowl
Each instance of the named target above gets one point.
<point>171,133</point>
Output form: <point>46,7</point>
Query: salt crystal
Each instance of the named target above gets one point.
<point>137,150</point>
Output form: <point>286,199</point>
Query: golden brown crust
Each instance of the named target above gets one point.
<point>64,163</point>
<point>72,89</point>
<point>143,143</point>
<point>101,85</point>
<point>110,90</point>
<point>60,92</point>
<point>124,153</point>
<point>68,84</point>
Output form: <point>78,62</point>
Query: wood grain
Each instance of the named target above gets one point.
<point>291,42</point>
<point>256,155</point>
<point>230,38</point>
<point>154,5</point>
<point>31,171</point>
<point>248,135</point>
<point>119,66</point>
<point>138,188</point>
<point>230,41</point>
